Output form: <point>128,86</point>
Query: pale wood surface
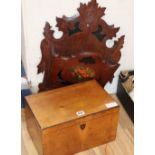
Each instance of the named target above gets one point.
<point>72,139</point>
<point>60,105</point>
<point>123,145</point>
<point>52,119</point>
<point>34,129</point>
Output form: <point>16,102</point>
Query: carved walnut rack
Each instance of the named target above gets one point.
<point>81,53</point>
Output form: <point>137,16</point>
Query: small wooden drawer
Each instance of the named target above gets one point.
<point>69,120</point>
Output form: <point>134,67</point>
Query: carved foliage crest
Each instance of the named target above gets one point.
<point>86,32</point>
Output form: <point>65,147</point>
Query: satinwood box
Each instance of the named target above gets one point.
<point>71,119</point>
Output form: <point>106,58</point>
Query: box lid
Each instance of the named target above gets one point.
<point>64,104</point>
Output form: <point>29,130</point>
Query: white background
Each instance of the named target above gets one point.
<point>36,12</point>
<point>10,59</point>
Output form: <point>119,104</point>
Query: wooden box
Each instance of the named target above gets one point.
<point>71,119</point>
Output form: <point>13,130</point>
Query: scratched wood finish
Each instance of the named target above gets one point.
<point>81,53</point>
<point>123,145</point>
<point>55,118</point>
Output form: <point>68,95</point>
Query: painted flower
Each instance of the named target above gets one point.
<point>82,72</point>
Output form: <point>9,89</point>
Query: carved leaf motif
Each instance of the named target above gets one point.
<point>116,55</point>
<point>48,33</point>
<point>109,30</point>
<point>45,48</point>
<point>113,55</point>
<point>119,44</point>
<point>63,24</point>
<point>83,36</point>
<point>90,15</point>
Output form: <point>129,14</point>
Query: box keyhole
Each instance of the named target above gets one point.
<point>82,126</point>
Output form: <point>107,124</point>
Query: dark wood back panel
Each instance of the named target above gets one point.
<point>81,53</point>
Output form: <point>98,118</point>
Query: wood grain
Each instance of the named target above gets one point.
<point>97,131</point>
<point>123,145</point>
<point>34,129</point>
<point>88,96</point>
<point>53,122</point>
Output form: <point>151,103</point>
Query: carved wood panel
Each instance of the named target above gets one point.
<point>81,53</point>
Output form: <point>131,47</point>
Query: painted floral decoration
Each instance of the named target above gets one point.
<point>82,72</point>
